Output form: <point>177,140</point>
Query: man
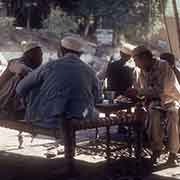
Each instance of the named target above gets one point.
<point>119,75</point>
<point>68,88</point>
<point>11,106</point>
<point>171,61</point>
<point>157,82</point>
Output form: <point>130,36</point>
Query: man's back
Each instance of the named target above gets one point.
<point>69,79</point>
<point>67,87</point>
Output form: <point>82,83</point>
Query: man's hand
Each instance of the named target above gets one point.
<point>24,72</point>
<point>19,69</point>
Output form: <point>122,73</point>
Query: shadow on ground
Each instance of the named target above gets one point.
<point>19,167</point>
<point>156,177</point>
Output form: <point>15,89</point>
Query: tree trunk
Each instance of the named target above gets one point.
<point>166,25</point>
<point>116,37</point>
<point>177,20</point>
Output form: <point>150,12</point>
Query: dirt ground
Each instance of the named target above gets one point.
<point>30,163</point>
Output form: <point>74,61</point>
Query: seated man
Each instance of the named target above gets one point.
<point>170,58</point>
<point>119,75</point>
<point>11,106</point>
<point>68,88</point>
<point>157,82</point>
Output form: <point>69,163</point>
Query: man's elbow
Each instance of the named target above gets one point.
<point>19,90</point>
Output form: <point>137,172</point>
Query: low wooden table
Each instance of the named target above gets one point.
<point>131,119</point>
<point>114,107</point>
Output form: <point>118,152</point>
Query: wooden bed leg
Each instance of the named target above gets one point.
<point>139,140</point>
<point>20,140</point>
<point>97,133</point>
<point>108,139</point>
<point>69,144</point>
<point>130,150</point>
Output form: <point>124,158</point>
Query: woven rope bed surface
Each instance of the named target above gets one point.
<point>24,126</point>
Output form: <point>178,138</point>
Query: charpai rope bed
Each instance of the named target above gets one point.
<point>69,128</point>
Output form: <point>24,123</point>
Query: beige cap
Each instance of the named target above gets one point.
<point>139,50</point>
<point>126,50</point>
<point>27,46</point>
<point>74,43</point>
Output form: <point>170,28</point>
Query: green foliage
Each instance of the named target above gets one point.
<point>59,23</point>
<point>132,18</point>
<point>155,20</point>
<point>6,22</point>
<point>148,24</point>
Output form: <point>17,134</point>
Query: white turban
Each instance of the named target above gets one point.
<point>27,46</point>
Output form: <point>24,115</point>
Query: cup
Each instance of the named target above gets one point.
<point>109,95</point>
<point>105,101</point>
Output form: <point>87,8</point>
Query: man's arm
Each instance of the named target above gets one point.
<point>172,85</point>
<point>97,90</point>
<point>150,92</point>
<point>32,80</point>
<point>177,73</point>
<point>18,68</point>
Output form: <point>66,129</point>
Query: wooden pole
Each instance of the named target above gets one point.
<point>176,19</point>
<point>166,25</point>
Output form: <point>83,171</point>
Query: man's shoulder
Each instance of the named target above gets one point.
<point>55,61</point>
<point>64,60</point>
<point>56,64</point>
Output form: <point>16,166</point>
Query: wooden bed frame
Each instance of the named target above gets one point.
<point>71,126</point>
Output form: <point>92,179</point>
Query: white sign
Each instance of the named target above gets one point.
<point>104,36</point>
